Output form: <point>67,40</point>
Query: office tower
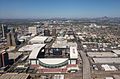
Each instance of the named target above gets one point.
<point>9,40</point>
<point>4,31</point>
<point>34,30</point>
<point>0,60</point>
<point>53,32</point>
<point>12,38</point>
<point>4,59</point>
<point>46,32</point>
<point>0,31</point>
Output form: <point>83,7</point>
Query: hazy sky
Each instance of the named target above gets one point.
<point>59,8</point>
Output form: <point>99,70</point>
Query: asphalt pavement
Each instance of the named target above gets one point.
<point>86,63</point>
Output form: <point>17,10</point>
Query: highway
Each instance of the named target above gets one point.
<point>86,63</point>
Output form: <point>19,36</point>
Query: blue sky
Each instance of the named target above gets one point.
<point>59,8</point>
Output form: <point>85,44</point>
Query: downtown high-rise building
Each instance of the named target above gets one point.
<point>4,30</point>
<point>12,38</point>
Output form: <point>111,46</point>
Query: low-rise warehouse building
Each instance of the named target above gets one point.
<point>101,54</point>
<point>14,57</point>
<point>62,42</point>
<point>15,76</point>
<point>107,60</point>
<point>104,78</point>
<point>116,76</point>
<point>109,67</point>
<point>108,77</point>
<point>116,52</point>
<point>38,40</point>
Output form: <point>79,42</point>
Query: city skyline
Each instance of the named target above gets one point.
<point>58,8</point>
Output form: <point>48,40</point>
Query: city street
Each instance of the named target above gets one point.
<point>86,63</point>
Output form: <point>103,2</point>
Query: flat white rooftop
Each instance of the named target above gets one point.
<point>107,60</point>
<point>116,51</point>
<point>38,39</point>
<point>64,44</point>
<point>14,55</point>
<point>29,48</point>
<point>35,52</point>
<point>109,67</point>
<point>109,78</point>
<point>101,54</point>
